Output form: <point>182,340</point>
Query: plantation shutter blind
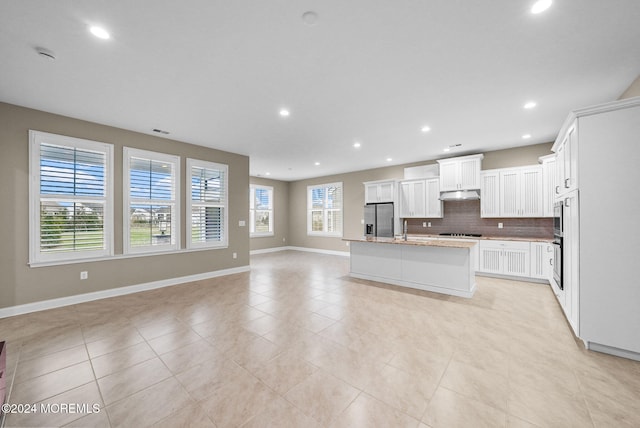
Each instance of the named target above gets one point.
<point>71,200</point>
<point>151,181</point>
<point>208,203</point>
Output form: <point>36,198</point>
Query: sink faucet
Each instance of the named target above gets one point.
<point>404,230</point>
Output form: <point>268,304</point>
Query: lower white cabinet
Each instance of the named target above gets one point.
<point>505,257</point>
<point>541,260</point>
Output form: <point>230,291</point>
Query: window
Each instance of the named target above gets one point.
<point>207,204</point>
<point>324,210</point>
<point>71,197</point>
<point>150,201</point>
<point>261,210</point>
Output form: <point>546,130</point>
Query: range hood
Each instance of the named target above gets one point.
<point>460,195</point>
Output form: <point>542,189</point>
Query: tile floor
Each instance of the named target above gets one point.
<point>297,343</point>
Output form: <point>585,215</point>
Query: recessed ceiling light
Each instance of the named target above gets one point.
<point>530,105</point>
<point>284,112</point>
<point>447,149</point>
<point>425,129</point>
<point>356,144</point>
<point>526,136</point>
<point>389,159</point>
<point>267,173</point>
<point>317,163</point>
<point>100,32</point>
<point>540,6</point>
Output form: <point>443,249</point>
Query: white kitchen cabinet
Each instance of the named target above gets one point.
<point>521,192</point>
<point>505,257</point>
<point>570,257</point>
<point>601,234</point>
<point>567,161</point>
<point>379,191</point>
<point>412,199</point>
<point>461,173</point>
<point>490,193</point>
<point>433,207</point>
<point>549,183</point>
<point>541,260</point>
<point>512,192</point>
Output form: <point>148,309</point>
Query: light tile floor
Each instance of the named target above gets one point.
<point>297,343</point>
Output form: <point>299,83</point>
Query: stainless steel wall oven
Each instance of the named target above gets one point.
<point>558,209</point>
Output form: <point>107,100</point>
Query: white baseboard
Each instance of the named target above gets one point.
<point>269,250</point>
<point>317,250</point>
<point>613,351</point>
<point>309,250</point>
<point>120,291</point>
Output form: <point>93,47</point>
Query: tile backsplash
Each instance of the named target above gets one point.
<point>464,217</point>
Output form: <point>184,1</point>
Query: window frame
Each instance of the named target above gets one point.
<point>224,243</point>
<point>36,256</point>
<point>252,211</point>
<point>127,249</point>
<point>325,210</point>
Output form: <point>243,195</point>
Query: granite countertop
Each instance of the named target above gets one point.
<point>430,239</point>
<point>416,241</point>
<point>485,237</point>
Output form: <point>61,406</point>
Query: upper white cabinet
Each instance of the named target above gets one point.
<point>521,192</point>
<point>512,192</point>
<point>490,193</point>
<point>434,204</point>
<point>567,161</point>
<point>461,173</point>
<point>412,198</point>
<point>420,198</point>
<point>549,183</point>
<point>379,191</point>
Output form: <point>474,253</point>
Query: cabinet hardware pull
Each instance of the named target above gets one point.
<point>566,182</point>
<point>566,202</point>
<point>557,189</point>
<point>550,262</point>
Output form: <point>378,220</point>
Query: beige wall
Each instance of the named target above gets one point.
<point>354,193</point>
<point>280,236</point>
<point>633,90</point>
<point>20,284</point>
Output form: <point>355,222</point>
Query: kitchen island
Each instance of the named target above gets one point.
<point>441,266</point>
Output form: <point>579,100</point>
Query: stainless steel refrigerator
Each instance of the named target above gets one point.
<point>378,220</point>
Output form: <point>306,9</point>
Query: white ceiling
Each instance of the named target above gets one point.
<point>216,73</point>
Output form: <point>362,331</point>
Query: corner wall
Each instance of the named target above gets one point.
<point>21,284</point>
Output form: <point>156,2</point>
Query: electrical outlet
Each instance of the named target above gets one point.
<point>235,255</point>
<point>347,243</point>
<point>429,224</point>
<point>84,274</point>
<point>499,225</point>
<point>424,224</point>
<point>242,223</point>
<point>284,239</point>
<point>361,221</point>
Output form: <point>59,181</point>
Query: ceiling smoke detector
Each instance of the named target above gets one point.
<point>310,18</point>
<point>46,53</point>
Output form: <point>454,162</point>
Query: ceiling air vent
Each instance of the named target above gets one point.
<point>160,131</point>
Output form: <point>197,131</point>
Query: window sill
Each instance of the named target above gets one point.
<point>122,256</point>
<point>261,235</point>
